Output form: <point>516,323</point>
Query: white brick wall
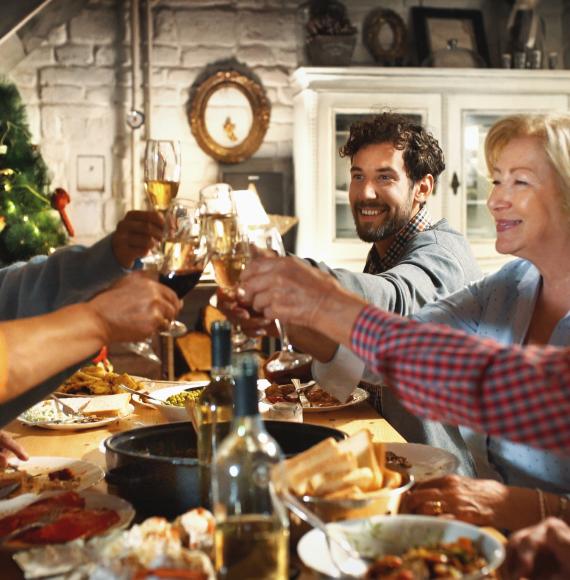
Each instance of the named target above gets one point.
<point>76,82</point>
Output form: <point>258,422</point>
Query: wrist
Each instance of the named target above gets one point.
<point>338,311</point>
<point>96,324</point>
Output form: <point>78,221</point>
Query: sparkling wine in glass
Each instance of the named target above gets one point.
<point>185,253</point>
<point>161,172</point>
<point>227,247</point>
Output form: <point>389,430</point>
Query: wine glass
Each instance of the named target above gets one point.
<point>267,237</point>
<point>161,180</point>
<point>184,251</point>
<point>227,247</point>
<point>161,172</point>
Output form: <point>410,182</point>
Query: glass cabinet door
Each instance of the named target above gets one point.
<point>467,184</point>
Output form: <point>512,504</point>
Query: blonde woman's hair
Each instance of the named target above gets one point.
<point>554,132</point>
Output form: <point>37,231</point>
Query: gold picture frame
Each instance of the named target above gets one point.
<point>229,113</point>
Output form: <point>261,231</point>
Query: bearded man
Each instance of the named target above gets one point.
<point>395,164</point>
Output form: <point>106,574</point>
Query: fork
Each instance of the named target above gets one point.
<point>67,409</point>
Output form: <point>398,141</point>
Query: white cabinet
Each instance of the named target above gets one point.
<point>456,105</point>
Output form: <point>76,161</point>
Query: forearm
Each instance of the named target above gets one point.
<point>315,343</point>
<point>74,332</point>
<point>337,314</point>
<point>523,508</point>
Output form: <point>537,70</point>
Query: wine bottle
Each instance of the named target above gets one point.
<point>252,529</point>
<point>214,408</point>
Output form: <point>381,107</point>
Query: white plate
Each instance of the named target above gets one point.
<point>427,462</point>
<point>93,500</point>
<point>358,396</point>
<point>86,475</point>
<point>381,535</point>
<point>69,426</point>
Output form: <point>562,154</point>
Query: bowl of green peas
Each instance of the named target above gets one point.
<point>174,397</point>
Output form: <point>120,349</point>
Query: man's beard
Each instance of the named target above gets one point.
<point>390,227</point>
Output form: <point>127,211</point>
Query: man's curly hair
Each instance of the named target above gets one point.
<point>422,153</point>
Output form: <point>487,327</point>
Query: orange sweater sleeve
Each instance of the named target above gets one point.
<point>3,362</point>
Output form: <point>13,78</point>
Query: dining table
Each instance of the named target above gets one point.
<point>87,445</point>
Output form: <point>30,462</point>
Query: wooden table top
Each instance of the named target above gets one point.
<point>86,444</point>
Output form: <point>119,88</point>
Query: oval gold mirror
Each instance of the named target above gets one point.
<point>229,114</point>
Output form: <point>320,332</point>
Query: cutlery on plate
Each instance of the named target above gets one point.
<point>141,394</point>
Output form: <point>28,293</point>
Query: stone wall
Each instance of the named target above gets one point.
<point>77,83</point>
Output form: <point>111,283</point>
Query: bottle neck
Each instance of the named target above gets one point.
<point>251,424</point>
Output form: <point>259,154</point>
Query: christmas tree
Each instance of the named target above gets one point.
<point>28,223</point>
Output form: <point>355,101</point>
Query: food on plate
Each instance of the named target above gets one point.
<point>96,380</point>
<point>87,409</point>
<point>44,480</point>
<point>442,560</point>
<point>312,396</point>
<point>395,461</point>
<point>197,527</point>
<point>157,548</point>
<point>318,397</point>
<point>179,399</point>
<point>63,518</point>
<point>102,406</point>
<point>353,468</point>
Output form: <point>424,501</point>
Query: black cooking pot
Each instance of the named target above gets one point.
<point>155,468</point>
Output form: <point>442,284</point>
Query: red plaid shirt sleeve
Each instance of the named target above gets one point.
<point>520,393</point>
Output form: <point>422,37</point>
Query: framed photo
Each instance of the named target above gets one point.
<point>228,111</point>
<point>435,28</point>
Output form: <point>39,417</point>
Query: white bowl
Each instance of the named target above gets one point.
<point>382,535</point>
<point>173,413</point>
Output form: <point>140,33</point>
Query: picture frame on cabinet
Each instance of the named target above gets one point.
<point>439,31</point>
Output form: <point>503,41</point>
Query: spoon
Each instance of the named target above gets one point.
<point>7,489</point>
<point>345,558</point>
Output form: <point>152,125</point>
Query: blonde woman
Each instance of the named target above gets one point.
<point>527,302</point>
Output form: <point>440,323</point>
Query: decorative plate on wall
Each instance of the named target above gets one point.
<point>384,34</point>
<point>228,111</point>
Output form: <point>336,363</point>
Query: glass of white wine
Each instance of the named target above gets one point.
<point>227,247</point>
<point>162,167</point>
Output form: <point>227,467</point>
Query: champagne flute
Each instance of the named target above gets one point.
<point>227,247</point>
<point>184,252</point>
<point>161,172</point>
<point>267,237</point>
<point>161,180</point>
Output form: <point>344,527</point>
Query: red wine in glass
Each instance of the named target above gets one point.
<point>181,281</point>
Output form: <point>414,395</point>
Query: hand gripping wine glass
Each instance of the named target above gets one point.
<point>227,247</point>
<point>185,253</point>
<point>267,237</point>
<point>161,180</point>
